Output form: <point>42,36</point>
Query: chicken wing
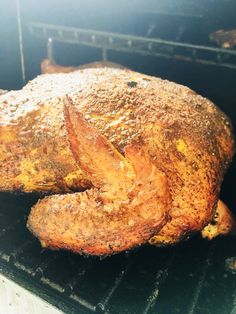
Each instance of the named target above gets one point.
<point>128,203</point>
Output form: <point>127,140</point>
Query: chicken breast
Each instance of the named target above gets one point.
<point>151,153</point>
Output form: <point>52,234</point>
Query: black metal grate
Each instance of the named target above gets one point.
<point>135,44</point>
<point>189,278</point>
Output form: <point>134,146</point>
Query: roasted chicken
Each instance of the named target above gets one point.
<point>136,159</point>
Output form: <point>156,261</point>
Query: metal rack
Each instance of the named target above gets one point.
<point>135,44</point>
<point>148,280</point>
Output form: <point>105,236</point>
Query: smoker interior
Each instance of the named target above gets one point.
<point>189,278</point>
<point>192,277</point>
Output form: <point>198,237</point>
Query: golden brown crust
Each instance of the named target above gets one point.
<point>222,223</point>
<point>185,135</point>
<point>128,205</point>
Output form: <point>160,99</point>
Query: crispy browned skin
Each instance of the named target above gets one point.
<point>128,204</point>
<point>222,223</point>
<point>186,137</point>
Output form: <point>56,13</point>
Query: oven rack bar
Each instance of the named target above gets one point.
<point>160,12</point>
<point>135,44</point>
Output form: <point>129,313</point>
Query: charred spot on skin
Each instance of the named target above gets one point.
<point>199,106</point>
<point>214,222</point>
<point>195,166</point>
<point>132,84</point>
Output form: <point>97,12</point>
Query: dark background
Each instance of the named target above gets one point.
<point>196,19</point>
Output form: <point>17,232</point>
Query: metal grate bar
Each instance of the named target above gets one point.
<point>83,302</point>
<point>102,305</point>
<point>169,13</point>
<point>52,284</point>
<point>137,44</point>
<point>25,268</point>
<point>201,279</point>
<point>80,273</point>
<point>45,264</point>
<point>20,37</point>
<point>5,257</point>
<point>160,277</point>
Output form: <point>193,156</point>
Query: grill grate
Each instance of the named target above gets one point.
<point>189,278</point>
<point>134,44</point>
